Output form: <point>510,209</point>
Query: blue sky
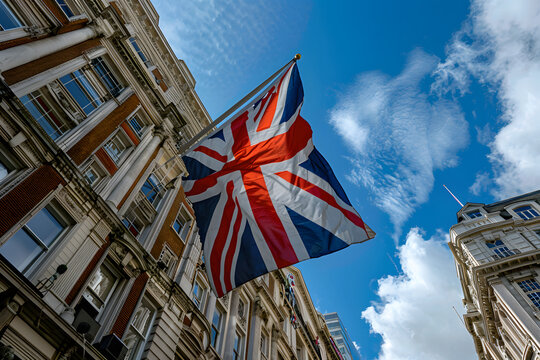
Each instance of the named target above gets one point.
<point>403,97</point>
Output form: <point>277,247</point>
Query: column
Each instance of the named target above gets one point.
<point>22,54</point>
<point>254,351</point>
<point>273,343</point>
<point>210,306</point>
<point>131,175</point>
<point>230,332</point>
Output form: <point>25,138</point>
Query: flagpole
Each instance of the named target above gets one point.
<point>187,146</point>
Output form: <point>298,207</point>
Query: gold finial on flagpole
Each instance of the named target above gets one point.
<point>297,57</point>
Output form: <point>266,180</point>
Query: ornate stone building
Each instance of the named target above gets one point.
<point>497,252</point>
<point>99,252</point>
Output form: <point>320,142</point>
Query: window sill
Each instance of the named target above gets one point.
<point>15,33</point>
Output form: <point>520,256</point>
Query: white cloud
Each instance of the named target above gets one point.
<point>399,135</point>
<point>481,183</point>
<point>500,46</point>
<point>356,346</point>
<point>414,315</point>
<point>220,39</point>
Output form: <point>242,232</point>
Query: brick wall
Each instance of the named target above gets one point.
<point>91,141</point>
<point>106,160</point>
<point>129,306</point>
<point>18,202</point>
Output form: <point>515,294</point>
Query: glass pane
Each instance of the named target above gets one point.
<point>8,20</point>
<point>82,92</point>
<point>108,78</point>
<point>21,250</point>
<point>136,125</point>
<point>65,8</point>
<point>3,170</point>
<point>45,226</point>
<point>102,283</point>
<point>43,114</point>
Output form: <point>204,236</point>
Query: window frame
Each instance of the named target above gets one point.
<point>526,208</point>
<point>140,53</point>
<point>46,106</point>
<point>98,169</point>
<point>184,231</point>
<point>238,344</point>
<point>142,337</point>
<point>55,209</point>
<point>13,12</point>
<point>500,248</point>
<point>118,138</point>
<point>171,262</point>
<point>264,347</point>
<point>218,329</point>
<point>158,189</point>
<point>534,303</point>
<point>85,87</point>
<point>141,125</point>
<point>101,62</point>
<point>117,279</point>
<point>199,301</point>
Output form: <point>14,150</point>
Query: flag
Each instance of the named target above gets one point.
<point>264,197</point>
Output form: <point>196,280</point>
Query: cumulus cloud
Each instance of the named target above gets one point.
<point>481,183</point>
<point>399,135</point>
<point>414,315</point>
<point>500,46</point>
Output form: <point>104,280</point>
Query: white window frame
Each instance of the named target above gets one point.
<point>264,346</point>
<point>119,138</point>
<point>144,335</point>
<point>219,328</point>
<point>11,164</point>
<point>533,275</point>
<point>15,14</point>
<point>199,301</point>
<point>57,211</point>
<point>479,210</point>
<point>184,231</point>
<point>97,168</point>
<point>169,258</point>
<point>117,280</point>
<point>511,209</point>
<point>497,250</point>
<point>238,353</point>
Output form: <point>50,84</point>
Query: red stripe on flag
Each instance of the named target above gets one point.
<point>321,194</point>
<point>232,247</point>
<point>268,115</point>
<point>267,219</point>
<point>221,239</point>
<point>212,153</point>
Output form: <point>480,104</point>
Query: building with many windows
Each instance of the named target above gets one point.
<point>497,252</point>
<point>99,251</point>
<point>341,337</point>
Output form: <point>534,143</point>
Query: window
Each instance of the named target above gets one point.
<point>474,214</point>
<point>264,346</point>
<point>101,287</point>
<point>34,239</point>
<point>137,125</point>
<point>8,165</point>
<point>65,8</point>
<point>133,223</point>
<point>182,223</point>
<point>117,146</point>
<point>168,258</point>
<point>238,347</point>
<point>526,212</point>
<point>82,92</point>
<point>93,174</point>
<point>216,328</point>
<point>198,294</point>
<point>139,329</point>
<point>4,171</point>
<point>146,62</point>
<point>8,19</point>
<point>500,248</point>
<point>531,288</point>
<point>43,112</point>
<point>107,76</point>
<point>153,190</point>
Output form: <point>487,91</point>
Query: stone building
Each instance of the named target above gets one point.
<point>497,252</point>
<point>99,251</point>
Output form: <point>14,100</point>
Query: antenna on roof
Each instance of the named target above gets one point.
<point>455,198</point>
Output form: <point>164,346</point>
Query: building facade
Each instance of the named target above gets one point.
<point>497,253</point>
<point>341,337</point>
<point>99,252</point>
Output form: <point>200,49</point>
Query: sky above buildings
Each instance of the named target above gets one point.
<point>403,97</point>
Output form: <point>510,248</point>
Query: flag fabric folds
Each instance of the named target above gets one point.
<point>264,197</point>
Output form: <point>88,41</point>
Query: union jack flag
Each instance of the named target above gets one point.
<point>263,196</point>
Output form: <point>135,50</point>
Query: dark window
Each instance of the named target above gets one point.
<point>474,214</point>
<point>107,76</point>
<point>42,111</point>
<point>146,62</point>
<point>82,92</point>
<point>526,212</point>
<point>33,239</point>
<point>8,19</point>
<point>531,288</point>
<point>153,190</point>
<point>500,249</point>
<point>137,125</point>
<point>65,8</point>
